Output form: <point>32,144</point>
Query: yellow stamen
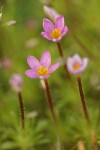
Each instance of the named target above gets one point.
<point>55,34</point>
<point>42,71</point>
<point>76,66</point>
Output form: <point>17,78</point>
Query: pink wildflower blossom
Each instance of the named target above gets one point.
<point>16,82</point>
<point>54,32</point>
<point>41,69</point>
<point>76,65</point>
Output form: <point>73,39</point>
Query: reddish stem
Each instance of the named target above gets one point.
<point>49,99</point>
<point>61,55</point>
<point>83,99</point>
<point>21,110</point>
<point>86,112</point>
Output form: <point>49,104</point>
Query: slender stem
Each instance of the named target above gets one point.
<point>61,55</point>
<point>94,139</point>
<point>21,110</point>
<point>83,99</point>
<point>60,50</point>
<point>86,112</point>
<point>49,99</point>
<point>58,143</point>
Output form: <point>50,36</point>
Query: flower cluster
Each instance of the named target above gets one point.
<point>54,32</point>
<point>42,69</point>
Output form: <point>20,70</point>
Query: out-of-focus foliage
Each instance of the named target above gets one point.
<point>20,28</point>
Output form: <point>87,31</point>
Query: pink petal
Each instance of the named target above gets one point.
<point>54,67</point>
<point>60,23</point>
<point>31,73</point>
<point>79,71</point>
<point>76,72</point>
<point>33,62</point>
<point>48,26</point>
<point>57,40</point>
<point>65,30</point>
<point>46,35</point>
<point>44,77</point>
<point>76,59</point>
<point>70,67</point>
<point>84,63</point>
<point>46,59</point>
<point>70,64</point>
<point>82,67</point>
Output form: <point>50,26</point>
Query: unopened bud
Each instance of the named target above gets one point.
<point>51,12</point>
<point>16,82</point>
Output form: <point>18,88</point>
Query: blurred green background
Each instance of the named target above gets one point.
<point>20,28</point>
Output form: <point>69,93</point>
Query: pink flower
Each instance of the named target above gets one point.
<point>16,82</point>
<point>40,69</point>
<point>54,32</point>
<point>76,65</point>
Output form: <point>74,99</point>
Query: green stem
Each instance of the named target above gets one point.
<point>59,144</point>
<point>21,110</point>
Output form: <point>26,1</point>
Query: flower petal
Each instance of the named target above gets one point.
<point>70,64</point>
<point>54,67</point>
<point>84,63</point>
<point>33,62</point>
<point>46,35</point>
<point>65,30</point>
<point>60,23</point>
<point>70,67</point>
<point>32,73</point>
<point>76,59</point>
<point>48,26</point>
<point>57,40</point>
<point>76,72</point>
<point>44,77</point>
<point>46,59</point>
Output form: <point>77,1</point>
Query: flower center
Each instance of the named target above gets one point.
<point>55,34</point>
<point>76,66</point>
<point>42,71</point>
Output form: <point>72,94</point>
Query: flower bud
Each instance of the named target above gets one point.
<point>16,82</point>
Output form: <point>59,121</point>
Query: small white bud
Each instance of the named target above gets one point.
<point>51,12</point>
